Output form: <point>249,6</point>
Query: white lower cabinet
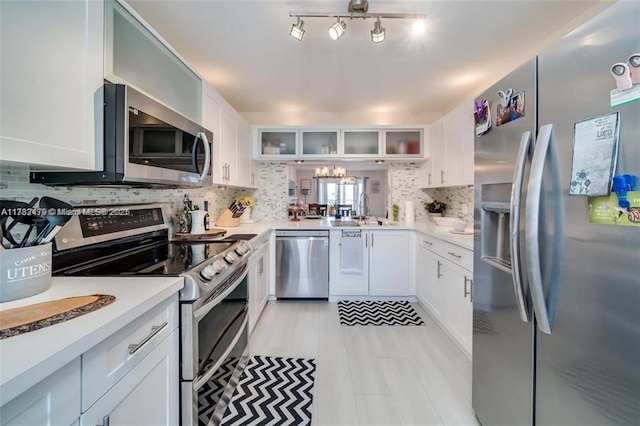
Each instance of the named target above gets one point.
<point>445,287</point>
<point>147,395</point>
<point>459,304</point>
<point>431,290</point>
<point>259,281</point>
<point>130,378</point>
<point>53,401</point>
<point>369,263</point>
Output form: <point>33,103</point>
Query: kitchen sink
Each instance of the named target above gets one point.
<point>344,223</point>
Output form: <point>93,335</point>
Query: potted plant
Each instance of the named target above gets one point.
<point>435,208</point>
<point>396,212</point>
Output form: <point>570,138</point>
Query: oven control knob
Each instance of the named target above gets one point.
<point>230,257</point>
<point>242,249</point>
<point>208,272</point>
<point>218,266</point>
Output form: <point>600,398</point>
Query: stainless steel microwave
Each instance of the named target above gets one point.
<point>145,144</point>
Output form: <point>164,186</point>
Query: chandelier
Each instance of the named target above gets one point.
<point>357,9</point>
<point>334,172</point>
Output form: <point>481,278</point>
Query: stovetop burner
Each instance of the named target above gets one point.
<point>162,258</point>
<point>138,245</point>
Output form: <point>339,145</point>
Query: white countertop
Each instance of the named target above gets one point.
<point>424,226</point>
<point>28,358</point>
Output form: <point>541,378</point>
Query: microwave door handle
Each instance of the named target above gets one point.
<point>207,155</point>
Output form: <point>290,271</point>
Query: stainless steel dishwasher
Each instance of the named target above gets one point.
<point>302,264</point>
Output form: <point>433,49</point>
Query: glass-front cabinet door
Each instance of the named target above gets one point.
<point>277,142</point>
<point>403,143</point>
<point>319,143</point>
<point>361,143</point>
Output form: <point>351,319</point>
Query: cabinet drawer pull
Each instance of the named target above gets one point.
<point>457,256</point>
<point>427,242</point>
<point>466,293</point>
<point>439,265</point>
<point>154,330</point>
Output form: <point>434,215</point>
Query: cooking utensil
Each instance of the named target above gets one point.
<point>25,218</point>
<point>54,217</point>
<point>9,209</point>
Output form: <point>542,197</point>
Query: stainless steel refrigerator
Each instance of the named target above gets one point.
<point>556,333</point>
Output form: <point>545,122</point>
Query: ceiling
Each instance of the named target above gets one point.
<point>243,49</point>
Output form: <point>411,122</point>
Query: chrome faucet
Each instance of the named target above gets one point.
<point>363,204</point>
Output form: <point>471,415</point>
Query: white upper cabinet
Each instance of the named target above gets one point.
<point>278,143</point>
<point>403,142</point>
<point>451,149</point>
<point>51,78</point>
<point>346,143</point>
<point>319,143</point>
<point>231,147</point>
<point>361,143</point>
<point>138,56</point>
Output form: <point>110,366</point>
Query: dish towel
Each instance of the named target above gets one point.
<point>351,254</point>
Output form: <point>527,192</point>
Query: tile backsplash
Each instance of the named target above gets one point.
<point>405,181</point>
<point>271,196</point>
<point>14,184</point>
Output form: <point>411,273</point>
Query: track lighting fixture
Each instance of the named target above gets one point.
<point>337,30</point>
<point>297,30</point>
<point>377,33</point>
<point>357,9</point>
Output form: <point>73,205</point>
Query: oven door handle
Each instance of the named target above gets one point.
<point>204,309</point>
<point>200,380</point>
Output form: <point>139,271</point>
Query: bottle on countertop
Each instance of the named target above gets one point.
<point>206,216</point>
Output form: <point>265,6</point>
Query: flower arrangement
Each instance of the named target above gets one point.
<point>246,200</point>
<point>435,206</point>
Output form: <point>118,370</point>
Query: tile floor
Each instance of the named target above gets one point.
<point>412,375</point>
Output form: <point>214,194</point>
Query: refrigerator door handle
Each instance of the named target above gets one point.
<point>514,226</point>
<point>544,312</point>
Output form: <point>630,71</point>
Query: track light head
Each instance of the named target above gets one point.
<point>378,32</point>
<point>297,30</point>
<point>337,29</point>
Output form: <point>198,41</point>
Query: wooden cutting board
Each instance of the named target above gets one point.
<point>33,317</point>
<point>206,235</point>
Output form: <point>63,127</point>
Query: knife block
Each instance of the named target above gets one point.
<point>227,219</point>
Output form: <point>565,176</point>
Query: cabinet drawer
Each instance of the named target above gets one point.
<point>458,255</point>
<point>431,243</point>
<point>106,363</point>
<point>148,394</point>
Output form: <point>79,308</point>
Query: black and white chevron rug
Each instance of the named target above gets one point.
<point>273,391</point>
<point>210,393</point>
<point>378,312</point>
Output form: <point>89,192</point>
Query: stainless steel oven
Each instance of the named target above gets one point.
<point>214,350</point>
<point>213,302</point>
